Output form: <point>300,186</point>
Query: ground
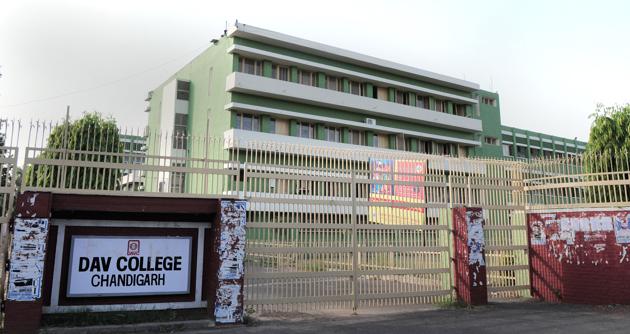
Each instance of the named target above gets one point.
<point>512,318</point>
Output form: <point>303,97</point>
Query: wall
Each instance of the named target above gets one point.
<point>491,126</point>
<point>580,256</point>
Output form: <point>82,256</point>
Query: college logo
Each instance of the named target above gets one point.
<point>133,247</point>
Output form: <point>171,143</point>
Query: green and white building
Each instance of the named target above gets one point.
<point>254,84</point>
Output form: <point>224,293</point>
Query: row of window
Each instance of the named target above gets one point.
<point>308,130</point>
<point>521,152</point>
<point>310,78</point>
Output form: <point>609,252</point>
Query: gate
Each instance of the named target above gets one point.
<point>331,228</point>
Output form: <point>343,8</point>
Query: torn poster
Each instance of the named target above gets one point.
<point>232,239</point>
<point>27,259</point>
<point>538,236</point>
<point>226,307</point>
<point>476,242</point>
<point>231,251</point>
<point>622,228</point>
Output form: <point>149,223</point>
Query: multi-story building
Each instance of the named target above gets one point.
<point>254,84</point>
<point>134,151</point>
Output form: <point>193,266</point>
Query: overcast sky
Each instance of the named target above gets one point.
<point>550,61</point>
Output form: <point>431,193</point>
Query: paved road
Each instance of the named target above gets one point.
<point>511,318</point>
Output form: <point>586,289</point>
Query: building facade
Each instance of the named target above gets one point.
<point>254,84</point>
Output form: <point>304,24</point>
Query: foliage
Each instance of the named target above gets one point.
<point>75,141</point>
<point>608,149</point>
<point>610,131</point>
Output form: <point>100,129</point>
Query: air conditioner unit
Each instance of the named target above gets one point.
<point>370,121</point>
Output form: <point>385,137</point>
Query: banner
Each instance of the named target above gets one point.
<point>129,265</point>
<point>411,171</point>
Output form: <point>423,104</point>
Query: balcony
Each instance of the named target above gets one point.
<point>267,87</point>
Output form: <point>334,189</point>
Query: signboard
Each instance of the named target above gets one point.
<point>407,172</point>
<point>129,266</point>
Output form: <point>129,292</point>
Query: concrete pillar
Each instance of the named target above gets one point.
<point>471,284</point>
<point>230,226</point>
<point>23,311</point>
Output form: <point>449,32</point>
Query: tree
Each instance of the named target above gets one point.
<point>610,131</point>
<point>608,150</point>
<point>91,139</point>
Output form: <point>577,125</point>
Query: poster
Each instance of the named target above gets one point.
<point>476,241</point>
<point>129,265</point>
<point>581,237</point>
<point>538,236</point>
<point>226,305</point>
<point>410,173</point>
<point>622,228</point>
<point>232,237</point>
<point>27,259</point>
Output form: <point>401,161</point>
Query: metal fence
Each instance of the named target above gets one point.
<point>327,228</point>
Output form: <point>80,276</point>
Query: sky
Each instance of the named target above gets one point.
<point>551,62</point>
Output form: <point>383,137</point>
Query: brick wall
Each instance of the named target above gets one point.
<point>580,257</point>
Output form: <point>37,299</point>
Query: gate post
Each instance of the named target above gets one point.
<point>470,263</point>
<point>23,307</point>
<point>227,261</point>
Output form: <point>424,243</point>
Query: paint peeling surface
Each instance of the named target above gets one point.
<point>27,259</point>
<point>228,306</point>
<point>476,241</point>
<point>232,241</point>
<point>582,237</point>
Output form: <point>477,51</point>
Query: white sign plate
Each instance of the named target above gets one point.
<point>129,266</point>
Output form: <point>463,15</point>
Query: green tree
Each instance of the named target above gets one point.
<point>90,139</point>
<point>610,131</point>
<point>607,151</point>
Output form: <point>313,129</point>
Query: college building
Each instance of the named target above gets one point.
<point>253,84</point>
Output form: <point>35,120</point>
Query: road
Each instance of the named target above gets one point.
<point>512,318</point>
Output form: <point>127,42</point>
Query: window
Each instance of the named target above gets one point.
<point>356,88</point>
<point>283,73</point>
<point>521,151</point>
<point>332,83</point>
<point>307,78</point>
<point>535,152</point>
<point>179,131</point>
<point>333,134</point>
<point>426,147</point>
<point>507,150</point>
<point>460,110</point>
<point>356,137</point>
<point>442,149</point>
<point>177,179</point>
<point>272,125</point>
<point>251,66</point>
<point>441,106</point>
<point>462,151</point>
<point>423,102</point>
<point>183,90</point>
<point>408,144</point>
<point>489,101</point>
<point>490,140</point>
<point>402,97</point>
<point>306,130</point>
<point>247,122</point>
<point>375,140</point>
